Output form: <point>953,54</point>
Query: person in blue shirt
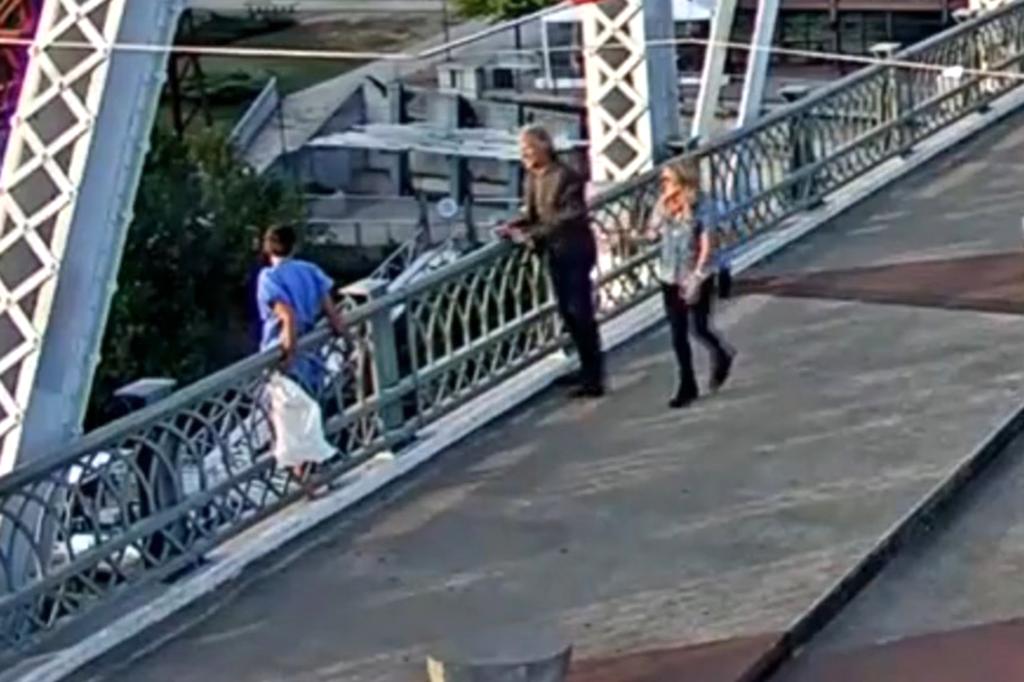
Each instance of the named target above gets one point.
<point>292,296</point>
<point>686,265</point>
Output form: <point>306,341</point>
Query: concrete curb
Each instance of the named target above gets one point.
<point>229,561</point>
<point>918,520</point>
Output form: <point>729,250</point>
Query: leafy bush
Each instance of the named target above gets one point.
<point>500,9</point>
<point>183,304</point>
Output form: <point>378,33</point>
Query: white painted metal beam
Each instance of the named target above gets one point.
<point>68,181</point>
<point>758,60</point>
<point>632,87</point>
<point>714,68</point>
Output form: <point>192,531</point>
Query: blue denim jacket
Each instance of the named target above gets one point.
<point>677,251</point>
<point>675,258</point>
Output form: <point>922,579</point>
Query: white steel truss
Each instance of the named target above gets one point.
<point>63,211</point>
<point>758,59</point>
<point>713,75</point>
<point>632,90</point>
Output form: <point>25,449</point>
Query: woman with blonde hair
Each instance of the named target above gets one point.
<point>686,267</point>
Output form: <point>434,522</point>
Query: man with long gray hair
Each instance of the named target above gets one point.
<point>554,221</point>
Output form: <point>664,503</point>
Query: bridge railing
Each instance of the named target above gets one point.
<point>141,499</point>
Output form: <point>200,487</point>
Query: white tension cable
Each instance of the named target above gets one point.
<point>945,70</point>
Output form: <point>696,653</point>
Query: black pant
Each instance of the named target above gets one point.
<point>680,314</point>
<point>575,295</point>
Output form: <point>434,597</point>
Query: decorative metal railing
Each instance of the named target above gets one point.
<point>143,498</point>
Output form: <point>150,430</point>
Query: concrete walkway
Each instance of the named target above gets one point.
<point>637,529</point>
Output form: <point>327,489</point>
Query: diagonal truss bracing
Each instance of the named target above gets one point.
<point>67,182</point>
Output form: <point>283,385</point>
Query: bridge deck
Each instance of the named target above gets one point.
<point>873,356</point>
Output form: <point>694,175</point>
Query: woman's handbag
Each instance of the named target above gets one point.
<point>691,287</point>
<point>723,272</point>
<point>724,282</point>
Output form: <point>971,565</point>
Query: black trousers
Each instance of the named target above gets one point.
<point>683,319</point>
<point>575,295</point>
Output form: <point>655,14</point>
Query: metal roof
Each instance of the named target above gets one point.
<point>480,143</point>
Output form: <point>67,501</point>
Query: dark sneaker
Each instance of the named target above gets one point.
<point>682,398</point>
<point>583,392</point>
<point>721,373</point>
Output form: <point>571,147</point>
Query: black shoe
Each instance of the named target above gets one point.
<point>682,398</point>
<point>721,373</point>
<point>587,392</point>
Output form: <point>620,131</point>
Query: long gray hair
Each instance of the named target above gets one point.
<point>540,137</point>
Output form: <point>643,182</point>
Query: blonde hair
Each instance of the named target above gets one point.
<point>686,174</point>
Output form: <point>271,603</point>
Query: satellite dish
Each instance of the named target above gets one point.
<point>447,208</point>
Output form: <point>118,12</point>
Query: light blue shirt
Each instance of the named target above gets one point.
<point>302,286</point>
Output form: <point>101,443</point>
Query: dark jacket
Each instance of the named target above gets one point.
<point>555,213</point>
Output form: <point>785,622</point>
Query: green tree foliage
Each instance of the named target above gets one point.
<point>183,301</point>
<point>500,9</point>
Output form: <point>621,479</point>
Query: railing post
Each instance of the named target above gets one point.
<point>890,101</point>
<point>423,222</point>
<point>800,145</point>
<point>1018,43</point>
<point>386,373</point>
<point>158,466</point>
<point>472,238</point>
<point>904,106</point>
<point>979,59</point>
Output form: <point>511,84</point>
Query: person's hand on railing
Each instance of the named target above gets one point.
<point>515,234</point>
<point>337,323</point>
<point>507,231</point>
<point>343,332</point>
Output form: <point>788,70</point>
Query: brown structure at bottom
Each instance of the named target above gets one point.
<point>989,653</point>
<point>989,283</point>
<point>723,661</point>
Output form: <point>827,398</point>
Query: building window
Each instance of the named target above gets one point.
<point>503,79</point>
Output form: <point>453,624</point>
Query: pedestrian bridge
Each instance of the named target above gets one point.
<point>875,226</point>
